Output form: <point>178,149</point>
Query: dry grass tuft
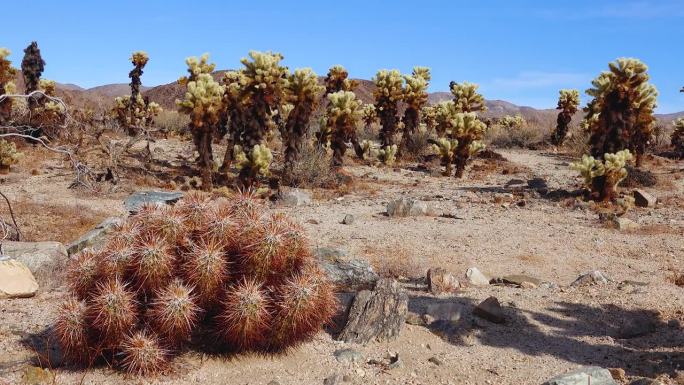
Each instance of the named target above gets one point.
<point>55,222</point>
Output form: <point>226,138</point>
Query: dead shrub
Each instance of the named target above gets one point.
<point>526,136</point>
<point>312,169</point>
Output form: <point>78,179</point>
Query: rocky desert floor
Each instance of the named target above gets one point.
<point>493,219</point>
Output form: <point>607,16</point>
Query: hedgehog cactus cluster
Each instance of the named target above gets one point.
<point>620,116</point>
<point>603,176</point>
<point>568,103</point>
<point>220,271</point>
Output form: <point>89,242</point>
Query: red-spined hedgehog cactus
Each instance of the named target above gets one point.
<point>219,270</point>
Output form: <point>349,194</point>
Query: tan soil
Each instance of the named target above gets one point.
<point>549,331</point>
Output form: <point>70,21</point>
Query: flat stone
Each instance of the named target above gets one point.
<point>94,236</point>
<point>45,259</point>
<point>348,356</point>
<point>16,280</point>
<point>594,277</point>
<point>441,281</point>
<point>348,219</point>
<point>136,200</point>
<point>490,309</point>
<point>407,207</point>
<point>521,280</point>
<point>436,361</point>
<point>644,199</point>
<point>476,278</point>
<point>294,198</point>
<point>347,274</point>
<point>625,224</point>
<point>593,375</point>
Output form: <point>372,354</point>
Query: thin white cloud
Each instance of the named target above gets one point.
<point>537,79</point>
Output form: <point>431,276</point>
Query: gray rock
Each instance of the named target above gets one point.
<point>332,380</point>
<point>441,281</point>
<point>94,236</point>
<point>625,224</point>
<point>348,356</point>
<point>644,199</point>
<point>294,198</point>
<point>16,280</point>
<point>436,361</point>
<point>44,259</point>
<point>133,203</point>
<point>521,280</point>
<point>490,309</point>
<point>476,278</point>
<point>444,311</point>
<point>346,274</point>
<point>407,207</point>
<point>376,315</point>
<point>348,219</point>
<point>593,375</point>
<point>594,277</point>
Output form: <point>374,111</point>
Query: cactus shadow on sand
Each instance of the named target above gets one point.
<point>577,333</point>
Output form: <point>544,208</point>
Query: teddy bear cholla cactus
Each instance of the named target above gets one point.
<point>621,114</point>
<point>388,93</point>
<point>677,138</point>
<point>602,177</point>
<point>342,116</point>
<point>466,97</point>
<point>7,86</point>
<point>415,97</point>
<point>203,268</point>
<point>568,102</point>
<point>8,155</point>
<point>135,112</point>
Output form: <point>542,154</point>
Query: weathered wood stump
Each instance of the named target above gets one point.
<point>376,315</point>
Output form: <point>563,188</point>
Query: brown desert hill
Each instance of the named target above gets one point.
<point>112,90</point>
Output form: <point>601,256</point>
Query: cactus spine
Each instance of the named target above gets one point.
<point>568,102</point>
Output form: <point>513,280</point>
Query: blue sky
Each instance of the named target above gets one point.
<point>521,51</point>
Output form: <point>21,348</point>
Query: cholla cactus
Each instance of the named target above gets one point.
<point>204,104</point>
<point>387,155</point>
<point>225,271</point>
<point>32,67</point>
<point>512,122</point>
<point>677,138</point>
<point>369,115</point>
<point>428,116</point>
<point>444,113</point>
<point>568,102</point>
<point>303,92</point>
<point>446,149</point>
<point>366,148</point>
<point>415,97</point>
<point>337,80</point>
<point>135,112</point>
<point>466,97</point>
<point>342,116</point>
<point>256,162</point>
<point>621,114</point>
<point>602,177</point>
<point>388,93</point>
<point>7,86</point>
<point>467,129</point>
<point>8,155</point>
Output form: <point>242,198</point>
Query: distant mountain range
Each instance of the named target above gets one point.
<point>101,97</point>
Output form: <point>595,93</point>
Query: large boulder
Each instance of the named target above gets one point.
<point>644,199</point>
<point>376,315</point>
<point>593,375</point>
<point>347,274</point>
<point>43,259</point>
<point>137,199</point>
<point>95,235</point>
<point>16,280</point>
